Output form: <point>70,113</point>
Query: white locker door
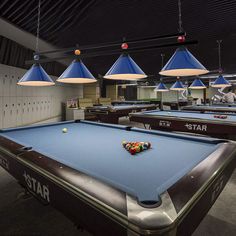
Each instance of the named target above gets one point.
<point>1,112</point>
<point>24,110</point>
<point>6,112</point>
<point>18,87</point>
<point>13,108</point>
<point>6,82</point>
<point>29,110</point>
<point>12,82</point>
<point>19,111</point>
<point>1,79</point>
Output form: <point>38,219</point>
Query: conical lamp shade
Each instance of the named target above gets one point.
<point>76,73</point>
<point>36,76</point>
<point>197,84</point>
<point>161,88</point>
<point>183,63</point>
<point>125,68</point>
<point>221,82</point>
<point>178,85</point>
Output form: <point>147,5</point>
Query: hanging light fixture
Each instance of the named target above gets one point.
<point>36,75</point>
<point>161,87</point>
<point>197,84</point>
<point>125,68</point>
<point>77,72</point>
<point>182,63</point>
<point>177,86</point>
<point>220,82</point>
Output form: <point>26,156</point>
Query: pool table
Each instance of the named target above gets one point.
<point>126,102</point>
<point>88,175</point>
<point>176,105</point>
<point>189,121</point>
<point>111,114</point>
<point>225,108</point>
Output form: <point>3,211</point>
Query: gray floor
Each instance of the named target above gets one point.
<point>26,216</point>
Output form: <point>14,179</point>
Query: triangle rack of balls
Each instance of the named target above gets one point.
<point>136,147</point>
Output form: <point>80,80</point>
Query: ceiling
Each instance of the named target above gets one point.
<point>65,23</point>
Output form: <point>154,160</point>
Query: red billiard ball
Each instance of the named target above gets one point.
<point>132,151</point>
<point>124,46</point>
<point>181,39</point>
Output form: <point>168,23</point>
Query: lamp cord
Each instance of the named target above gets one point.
<point>219,53</point>
<point>38,27</point>
<point>162,63</point>
<point>162,59</point>
<point>180,17</point>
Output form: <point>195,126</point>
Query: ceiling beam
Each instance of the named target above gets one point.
<point>25,39</point>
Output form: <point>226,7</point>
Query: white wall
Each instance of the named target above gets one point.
<point>197,93</point>
<point>21,105</point>
<point>146,93</point>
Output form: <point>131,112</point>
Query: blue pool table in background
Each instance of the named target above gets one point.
<point>129,102</point>
<point>189,121</point>
<point>220,108</point>
<point>111,114</point>
<point>88,175</point>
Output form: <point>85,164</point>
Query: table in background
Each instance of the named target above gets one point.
<point>220,108</point>
<point>125,102</point>
<point>176,105</point>
<point>111,114</point>
<point>187,121</point>
<point>88,175</point>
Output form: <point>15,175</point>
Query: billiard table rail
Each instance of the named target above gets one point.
<point>219,128</point>
<point>208,108</point>
<point>111,114</point>
<point>111,206</point>
<point>130,108</point>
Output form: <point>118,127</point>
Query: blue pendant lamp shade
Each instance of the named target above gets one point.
<point>197,84</point>
<point>221,82</point>
<point>183,63</point>
<point>76,73</point>
<point>125,68</point>
<point>36,76</point>
<point>177,86</point>
<point>161,88</point>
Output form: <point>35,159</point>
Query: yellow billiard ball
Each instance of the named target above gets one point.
<point>64,130</point>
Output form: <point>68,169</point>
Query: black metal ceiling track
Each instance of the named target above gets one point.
<point>148,43</point>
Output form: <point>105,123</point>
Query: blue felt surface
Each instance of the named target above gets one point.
<point>193,115</point>
<point>233,106</point>
<point>97,151</point>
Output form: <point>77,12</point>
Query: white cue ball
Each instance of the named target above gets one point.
<point>64,130</point>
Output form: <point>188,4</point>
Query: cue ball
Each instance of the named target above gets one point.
<point>64,130</point>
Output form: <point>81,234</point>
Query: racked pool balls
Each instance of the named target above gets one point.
<point>136,147</point>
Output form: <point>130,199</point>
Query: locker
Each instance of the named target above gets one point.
<point>24,111</point>
<point>1,112</point>
<point>12,81</point>
<point>12,108</point>
<point>6,82</point>
<point>6,112</point>
<point>19,111</point>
